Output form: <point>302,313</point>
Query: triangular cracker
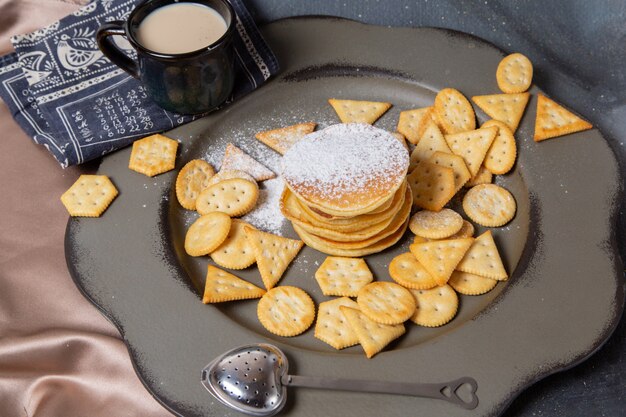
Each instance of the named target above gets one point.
<point>332,327</point>
<point>236,159</point>
<point>410,122</point>
<point>431,141</point>
<point>283,138</point>
<point>223,286</point>
<point>273,254</point>
<point>440,257</point>
<point>372,336</point>
<point>472,146</point>
<point>507,108</point>
<point>483,259</point>
<point>355,111</point>
<point>554,120</point>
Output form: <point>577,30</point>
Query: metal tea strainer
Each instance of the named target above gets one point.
<point>253,379</point>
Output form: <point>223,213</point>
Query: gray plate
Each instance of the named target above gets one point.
<point>562,302</point>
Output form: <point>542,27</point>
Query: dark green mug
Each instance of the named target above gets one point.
<point>187,83</point>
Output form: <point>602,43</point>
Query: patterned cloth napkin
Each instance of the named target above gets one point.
<point>71,99</point>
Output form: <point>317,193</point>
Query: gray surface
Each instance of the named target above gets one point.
<point>171,335</point>
<point>577,48</point>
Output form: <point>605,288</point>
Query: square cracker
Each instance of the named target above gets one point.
<point>357,111</point>
<point>89,196</point>
<point>332,327</point>
<point>456,163</point>
<point>283,138</point>
<point>432,185</point>
<point>153,155</point>
<point>410,122</point>
<point>343,276</point>
<point>273,254</point>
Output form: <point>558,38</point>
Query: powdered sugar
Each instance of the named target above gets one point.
<point>266,215</point>
<point>344,159</point>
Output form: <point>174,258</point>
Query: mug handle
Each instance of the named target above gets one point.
<point>111,50</point>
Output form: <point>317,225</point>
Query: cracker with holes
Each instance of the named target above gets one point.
<point>432,141</point>
<point>286,311</point>
<point>406,270</point>
<point>483,176</point>
<point>435,307</point>
<point>454,112</point>
<point>456,163</point>
<point>222,286</point>
<point>471,284</point>
<point>236,159</point>
<point>507,108</point>
<point>207,233</point>
<point>489,205</point>
<point>153,155</point>
<point>373,336</point>
<point>440,257</point>
<point>235,252</point>
<point>89,196</point>
<point>554,120</point>
<point>191,180</point>
<point>436,224</point>
<point>343,277</point>
<point>234,197</point>
<point>501,155</point>
<point>432,186</point>
<point>386,302</point>
<point>483,259</point>
<point>472,146</point>
<point>283,138</point>
<point>273,254</point>
<point>514,73</point>
<point>411,121</point>
<point>358,111</point>
<point>332,327</point>
<point>467,230</point>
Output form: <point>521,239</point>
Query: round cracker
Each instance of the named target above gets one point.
<point>191,180</point>
<point>406,270</point>
<point>234,197</point>
<point>235,252</point>
<point>489,205</point>
<point>514,73</point>
<point>454,112</point>
<point>386,302</point>
<point>435,307</point>
<point>436,224</point>
<point>207,233</point>
<point>471,284</point>
<point>286,311</point>
<point>500,156</point>
<point>467,230</point>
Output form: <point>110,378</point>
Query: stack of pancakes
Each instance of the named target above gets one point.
<point>346,192</point>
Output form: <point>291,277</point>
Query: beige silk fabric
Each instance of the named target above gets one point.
<point>59,357</point>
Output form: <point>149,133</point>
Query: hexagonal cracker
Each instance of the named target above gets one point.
<point>153,155</point>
